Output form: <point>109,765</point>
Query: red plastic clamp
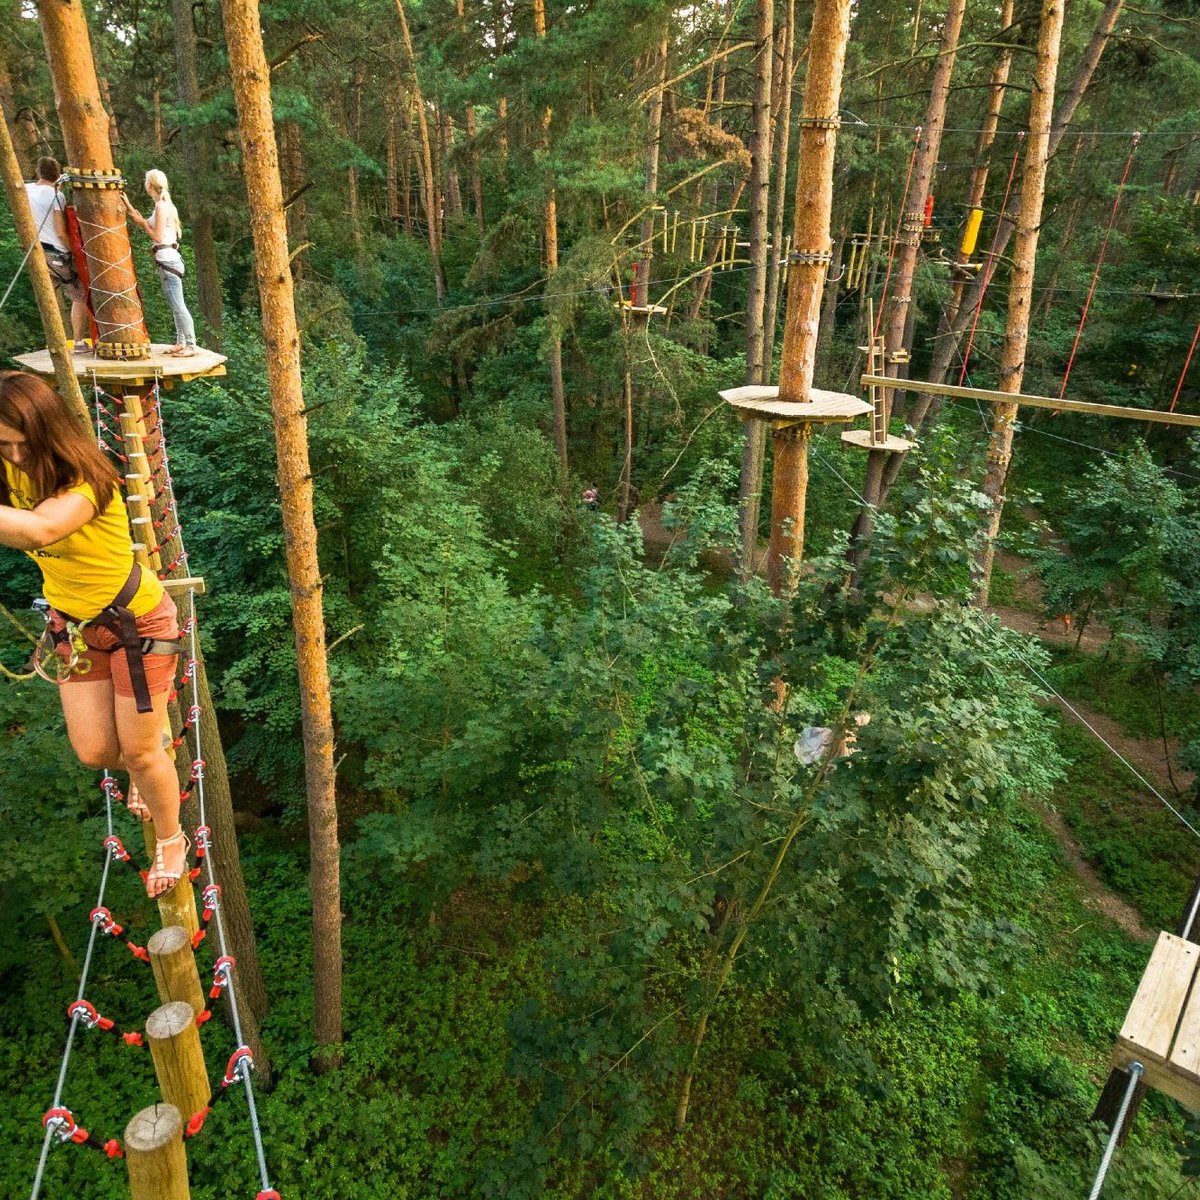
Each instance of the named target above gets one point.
<point>210,897</point>
<point>234,1069</point>
<point>104,919</point>
<point>222,970</point>
<point>88,1015</point>
<point>116,848</point>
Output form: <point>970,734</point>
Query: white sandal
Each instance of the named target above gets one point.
<point>159,873</point>
<point>135,803</point>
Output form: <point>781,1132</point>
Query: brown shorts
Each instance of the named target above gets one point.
<point>108,657</point>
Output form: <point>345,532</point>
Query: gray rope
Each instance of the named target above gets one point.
<point>83,976</point>
<point>1135,1073</point>
<point>37,237</point>
<point>208,859</point>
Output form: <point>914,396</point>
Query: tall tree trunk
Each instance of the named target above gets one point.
<point>1020,290</point>
<point>392,181</point>
<point>783,138</point>
<point>813,203</point>
<point>753,450</point>
<point>641,296</point>
<point>15,134</point>
<point>908,242</point>
<point>39,274</point>
<point>947,347</point>
<point>433,209</point>
<point>558,399</point>
<point>85,129</point>
<point>296,215</point>
<point>198,165</point>
<point>251,89</point>
<point>356,89</point>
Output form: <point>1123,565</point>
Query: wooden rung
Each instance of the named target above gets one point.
<point>1153,1017</point>
<point>1185,1053</point>
<point>189,583</point>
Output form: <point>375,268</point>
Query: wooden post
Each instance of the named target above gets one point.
<point>174,1042</point>
<point>154,1155</point>
<point>1020,289</point>
<point>39,276</point>
<point>174,967</point>
<point>806,274</point>
<point>96,184</point>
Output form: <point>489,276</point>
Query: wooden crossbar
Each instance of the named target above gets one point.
<point>994,397</point>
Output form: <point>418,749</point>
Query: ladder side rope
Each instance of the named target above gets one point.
<point>1087,304</point>
<point>1187,362</point>
<point>57,1125</point>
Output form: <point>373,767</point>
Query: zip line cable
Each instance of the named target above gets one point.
<point>36,241</point>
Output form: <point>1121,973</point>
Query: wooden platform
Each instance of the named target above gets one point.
<point>822,408</point>
<point>131,371</point>
<point>862,439</point>
<point>1162,1027</point>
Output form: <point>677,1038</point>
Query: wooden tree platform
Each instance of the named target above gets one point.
<point>822,408</point>
<point>159,364</point>
<point>864,439</point>
<point>1162,1027</point>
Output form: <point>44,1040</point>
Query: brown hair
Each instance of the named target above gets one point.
<point>48,169</point>
<point>60,452</point>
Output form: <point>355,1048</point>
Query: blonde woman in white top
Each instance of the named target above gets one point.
<point>163,229</point>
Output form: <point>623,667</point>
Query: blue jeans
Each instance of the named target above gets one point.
<point>185,327</point>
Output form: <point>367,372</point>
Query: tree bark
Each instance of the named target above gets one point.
<point>433,215</point>
<point>783,138</point>
<point>641,293</point>
<point>1020,292</point>
<point>296,215</point>
<point>251,88</point>
<point>806,278</point>
<point>753,450</point>
<point>20,150</point>
<point>908,239</point>
<point>558,399</point>
<point>947,347</point>
<point>199,167</point>
<point>39,275</point>
<point>85,129</point>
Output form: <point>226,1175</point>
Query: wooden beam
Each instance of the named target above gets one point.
<point>1051,402</point>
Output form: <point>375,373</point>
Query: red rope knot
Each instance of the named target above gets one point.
<point>196,1122</point>
<point>88,1015</point>
<point>203,840</point>
<point>60,1122</point>
<point>222,975</point>
<point>132,1039</point>
<point>102,917</point>
<point>210,897</point>
<point>241,1061</point>
<point>138,951</point>
<point>113,1148</point>
<point>116,848</point>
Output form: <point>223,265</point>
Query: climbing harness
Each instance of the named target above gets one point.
<point>170,269</point>
<point>119,620</point>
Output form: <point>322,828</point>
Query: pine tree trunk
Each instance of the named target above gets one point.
<point>641,296</point>
<point>783,138</point>
<point>433,211</point>
<point>198,164</point>
<point>1020,290</point>
<point>296,216</point>
<point>251,88</point>
<point>908,242</point>
<point>753,450</point>
<point>39,275</point>
<point>85,130</point>
<point>947,347</point>
<point>392,182</point>
<point>15,137</point>
<point>813,207</point>
<point>356,88</point>
<point>558,399</point>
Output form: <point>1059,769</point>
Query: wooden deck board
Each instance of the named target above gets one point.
<point>1150,1024</point>
<point>821,407</point>
<point>133,370</point>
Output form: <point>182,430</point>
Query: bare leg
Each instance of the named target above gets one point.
<point>151,768</point>
<point>91,723</point>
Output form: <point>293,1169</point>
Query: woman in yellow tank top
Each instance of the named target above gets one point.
<point>60,503</point>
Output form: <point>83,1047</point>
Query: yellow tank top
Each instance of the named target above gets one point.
<point>82,573</point>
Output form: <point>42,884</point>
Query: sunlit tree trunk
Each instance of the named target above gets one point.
<point>1020,288</point>
<point>433,209</point>
<point>251,88</point>
<point>908,239</point>
<point>756,286</point>
<point>197,160</point>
